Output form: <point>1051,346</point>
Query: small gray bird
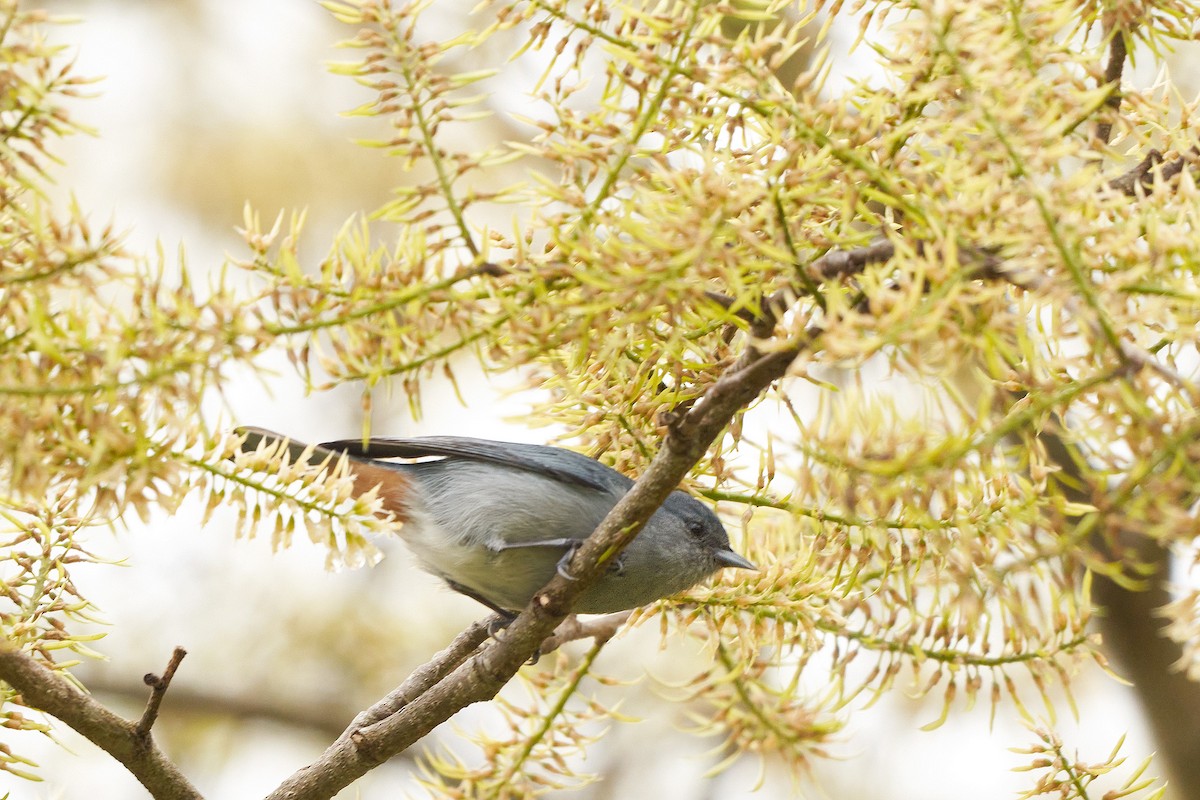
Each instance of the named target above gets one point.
<point>496,519</point>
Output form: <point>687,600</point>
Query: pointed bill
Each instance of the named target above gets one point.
<point>728,558</point>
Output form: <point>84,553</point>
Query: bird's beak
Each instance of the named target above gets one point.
<point>728,558</point>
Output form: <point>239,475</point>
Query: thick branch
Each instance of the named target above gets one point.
<point>47,691</point>
<point>481,676</point>
<point>1134,638</point>
<point>1133,633</point>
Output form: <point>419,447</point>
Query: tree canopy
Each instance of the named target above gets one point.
<point>930,336</point>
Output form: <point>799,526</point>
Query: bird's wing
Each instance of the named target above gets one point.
<point>553,462</point>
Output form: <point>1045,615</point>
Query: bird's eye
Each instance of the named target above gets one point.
<point>695,527</point>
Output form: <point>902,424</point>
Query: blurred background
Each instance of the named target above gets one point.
<point>203,106</point>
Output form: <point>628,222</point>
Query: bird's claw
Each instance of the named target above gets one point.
<point>498,623</point>
<point>565,561</point>
<point>617,567</point>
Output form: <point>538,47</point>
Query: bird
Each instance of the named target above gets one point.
<point>495,520</point>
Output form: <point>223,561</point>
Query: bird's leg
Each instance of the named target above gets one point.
<point>565,561</point>
<point>495,626</point>
<point>561,568</point>
<point>571,545</point>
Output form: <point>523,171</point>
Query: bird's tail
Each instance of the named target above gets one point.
<point>256,437</point>
<point>394,487</point>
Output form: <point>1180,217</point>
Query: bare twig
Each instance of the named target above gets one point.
<point>158,690</point>
<point>46,690</point>
<point>324,716</point>
<point>599,628</point>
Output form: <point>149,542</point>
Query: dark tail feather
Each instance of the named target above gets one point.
<point>295,449</point>
<point>394,486</point>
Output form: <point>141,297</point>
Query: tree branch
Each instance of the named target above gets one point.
<point>44,689</point>
<point>1141,177</point>
<point>1133,632</point>
<point>428,674</point>
<point>572,628</point>
<point>482,675</point>
<point>1112,77</point>
<point>841,263</point>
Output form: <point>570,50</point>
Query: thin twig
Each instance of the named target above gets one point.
<point>158,690</point>
<point>601,629</point>
<point>844,263</point>
<point>324,716</point>
<point>1112,77</point>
